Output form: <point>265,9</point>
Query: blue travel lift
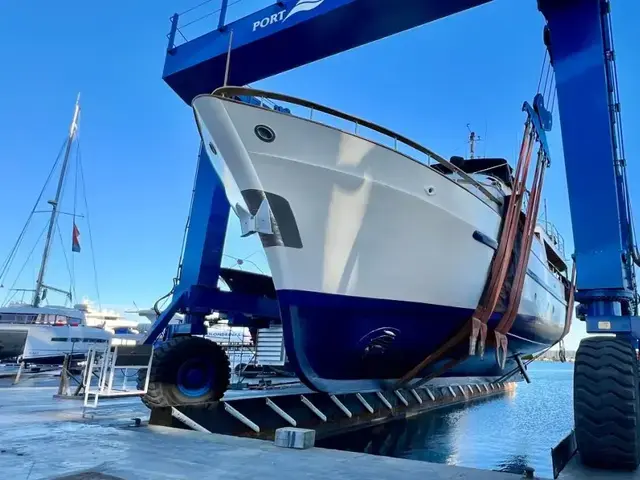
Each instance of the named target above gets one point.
<point>292,33</point>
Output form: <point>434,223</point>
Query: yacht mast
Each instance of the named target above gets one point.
<point>54,207</point>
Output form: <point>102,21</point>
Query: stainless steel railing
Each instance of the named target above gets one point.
<point>397,138</point>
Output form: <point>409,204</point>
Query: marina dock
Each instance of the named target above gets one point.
<point>43,438</point>
<point>46,438</point>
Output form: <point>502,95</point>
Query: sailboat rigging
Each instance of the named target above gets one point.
<point>44,334</point>
<point>37,294</point>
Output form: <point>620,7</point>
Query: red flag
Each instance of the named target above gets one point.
<point>75,243</point>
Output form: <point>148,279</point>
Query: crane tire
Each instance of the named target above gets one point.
<point>606,404</point>
<point>185,371</point>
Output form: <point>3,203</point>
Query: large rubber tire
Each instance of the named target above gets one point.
<point>167,385</point>
<point>606,404</point>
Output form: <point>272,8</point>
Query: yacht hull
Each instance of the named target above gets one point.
<point>12,343</point>
<point>377,259</point>
<point>47,344</point>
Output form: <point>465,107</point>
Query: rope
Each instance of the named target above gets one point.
<point>621,147</point>
<point>6,265</point>
<point>25,263</point>
<point>240,261</point>
<point>182,34</point>
<point>544,64</point>
<point>198,19</point>
<point>552,85</point>
<point>195,7</point>
<point>206,15</point>
<point>66,260</point>
<point>546,79</point>
<point>86,206</point>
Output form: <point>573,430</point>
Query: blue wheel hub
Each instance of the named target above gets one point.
<point>195,377</point>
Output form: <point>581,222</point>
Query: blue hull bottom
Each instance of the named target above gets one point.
<point>342,344</point>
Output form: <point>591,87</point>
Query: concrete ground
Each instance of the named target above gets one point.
<point>46,438</point>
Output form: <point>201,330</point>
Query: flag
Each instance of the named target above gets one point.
<point>75,242</point>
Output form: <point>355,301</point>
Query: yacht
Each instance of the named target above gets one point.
<point>110,320</point>
<point>44,335</point>
<point>371,234</point>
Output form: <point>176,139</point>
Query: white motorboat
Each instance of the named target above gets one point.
<point>44,335</point>
<point>390,246</point>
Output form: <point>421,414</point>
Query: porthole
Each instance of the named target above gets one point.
<point>264,133</point>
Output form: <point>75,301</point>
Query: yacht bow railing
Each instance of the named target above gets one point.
<point>229,92</point>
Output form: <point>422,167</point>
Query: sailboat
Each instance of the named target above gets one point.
<point>35,333</point>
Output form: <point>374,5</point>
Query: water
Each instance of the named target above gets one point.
<point>507,433</point>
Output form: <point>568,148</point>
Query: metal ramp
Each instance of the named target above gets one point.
<point>260,413</point>
<point>106,362</point>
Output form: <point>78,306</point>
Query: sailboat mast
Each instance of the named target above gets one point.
<point>55,204</point>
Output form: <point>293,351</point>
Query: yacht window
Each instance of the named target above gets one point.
<point>18,318</point>
<point>59,339</point>
<point>495,167</point>
<point>47,319</point>
<point>76,339</point>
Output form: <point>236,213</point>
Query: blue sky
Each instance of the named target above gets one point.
<point>139,142</point>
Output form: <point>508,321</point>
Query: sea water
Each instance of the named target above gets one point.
<point>505,433</point>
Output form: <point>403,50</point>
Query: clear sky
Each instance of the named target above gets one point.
<point>139,141</point>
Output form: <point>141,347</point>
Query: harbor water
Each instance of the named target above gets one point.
<point>507,433</point>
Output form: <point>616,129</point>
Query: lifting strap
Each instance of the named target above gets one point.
<point>475,329</point>
<point>477,326</point>
<point>568,314</point>
<point>509,316</point>
<point>570,302</point>
<point>502,257</point>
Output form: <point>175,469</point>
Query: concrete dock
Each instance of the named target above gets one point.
<point>46,438</point>
<point>43,439</point>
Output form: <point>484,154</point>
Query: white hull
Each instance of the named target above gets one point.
<point>367,224</point>
<point>366,241</point>
<point>51,343</point>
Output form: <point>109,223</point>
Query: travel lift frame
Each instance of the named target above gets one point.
<point>579,39</point>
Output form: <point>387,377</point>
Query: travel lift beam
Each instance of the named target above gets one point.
<point>196,293</point>
<point>292,33</point>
